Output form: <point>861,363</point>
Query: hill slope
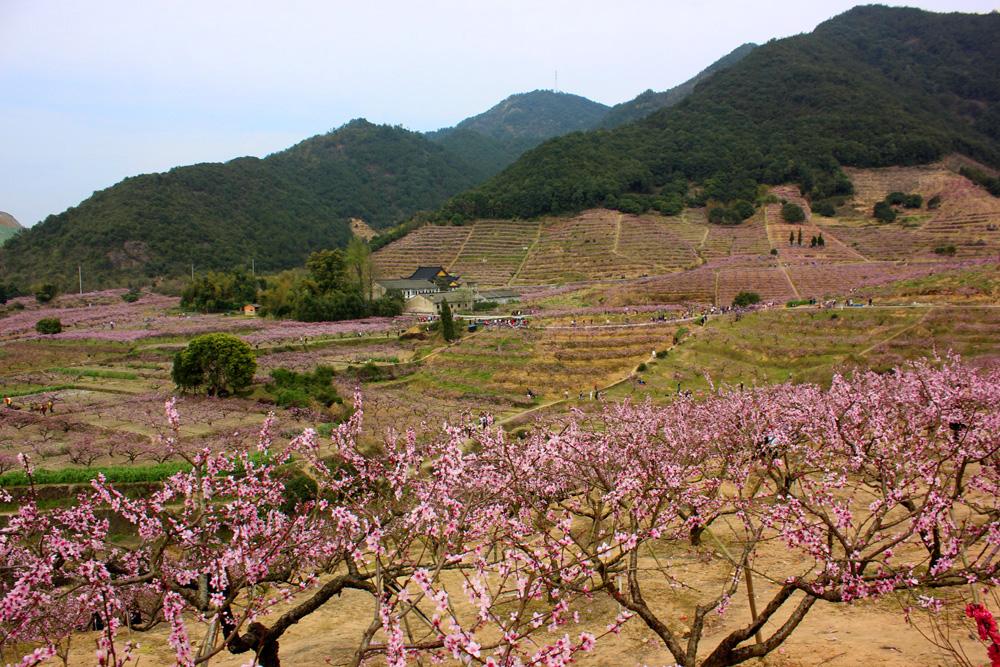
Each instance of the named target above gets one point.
<point>496,137</point>
<point>646,103</point>
<point>874,87</point>
<point>274,210</point>
<point>9,226</point>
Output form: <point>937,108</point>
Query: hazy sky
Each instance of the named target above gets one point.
<point>94,91</point>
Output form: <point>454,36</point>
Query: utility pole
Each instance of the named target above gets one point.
<point>253,267</point>
<point>80,270</point>
<point>192,271</point>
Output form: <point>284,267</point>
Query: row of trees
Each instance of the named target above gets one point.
<point>339,286</point>
<point>883,484</point>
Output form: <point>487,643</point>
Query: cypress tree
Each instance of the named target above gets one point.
<point>447,324</point>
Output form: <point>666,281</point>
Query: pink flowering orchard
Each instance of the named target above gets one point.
<point>485,550</point>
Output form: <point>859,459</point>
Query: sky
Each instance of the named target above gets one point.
<point>93,92</point>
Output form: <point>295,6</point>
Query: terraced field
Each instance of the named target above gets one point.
<point>494,251</point>
<point>429,246</point>
<point>503,365</point>
<point>684,259</point>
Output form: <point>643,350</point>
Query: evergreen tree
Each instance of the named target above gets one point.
<point>791,238</point>
<point>800,237</point>
<point>447,323</point>
<point>218,360</point>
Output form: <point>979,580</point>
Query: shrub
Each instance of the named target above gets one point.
<point>745,298</point>
<point>45,292</point>
<point>48,325</point>
<point>299,390</point>
<point>896,198</point>
<point>948,250</point>
<point>774,251</point>
<point>132,295</point>
<point>884,212</point>
<point>482,306</point>
<point>792,213</point>
<point>824,208</point>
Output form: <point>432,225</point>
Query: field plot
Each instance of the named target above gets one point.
<point>967,217</point>
<point>655,242</point>
<point>502,366</point>
<point>876,242</point>
<point>494,251</point>
<point>747,239</point>
<point>770,284</point>
<point>581,248</point>
<point>430,245</point>
<point>872,185</point>
<point>822,280</point>
<point>694,286</point>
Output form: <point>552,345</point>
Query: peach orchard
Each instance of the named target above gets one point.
<point>482,549</point>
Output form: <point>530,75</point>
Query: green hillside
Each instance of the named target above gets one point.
<point>876,86</point>
<point>274,211</point>
<point>497,137</point>
<point>646,103</point>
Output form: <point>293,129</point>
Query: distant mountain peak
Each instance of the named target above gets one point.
<point>7,220</point>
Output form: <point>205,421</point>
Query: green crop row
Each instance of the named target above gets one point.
<point>87,372</point>
<point>116,474</point>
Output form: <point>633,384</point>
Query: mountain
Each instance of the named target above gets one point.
<point>9,226</point>
<point>646,103</point>
<point>496,137</point>
<point>875,86</point>
<point>274,211</point>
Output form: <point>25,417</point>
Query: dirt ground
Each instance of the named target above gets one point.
<point>838,635</point>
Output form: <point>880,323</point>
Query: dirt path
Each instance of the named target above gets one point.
<point>524,260</point>
<point>461,248</point>
<point>897,334</point>
<point>843,245</point>
<point>781,265</point>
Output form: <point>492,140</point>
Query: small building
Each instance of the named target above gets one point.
<point>435,274</point>
<point>430,304</point>
<point>251,309</point>
<point>409,287</point>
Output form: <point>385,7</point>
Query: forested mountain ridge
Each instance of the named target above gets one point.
<point>649,101</point>
<point>272,211</point>
<point>496,137</point>
<point>875,86</point>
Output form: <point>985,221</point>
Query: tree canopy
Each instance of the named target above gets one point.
<point>217,361</point>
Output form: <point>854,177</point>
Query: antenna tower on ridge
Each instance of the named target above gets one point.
<point>556,89</point>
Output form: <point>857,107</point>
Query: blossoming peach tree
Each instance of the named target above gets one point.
<point>484,550</point>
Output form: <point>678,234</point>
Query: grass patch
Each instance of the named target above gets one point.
<point>88,372</point>
<point>123,474</point>
<point>37,390</point>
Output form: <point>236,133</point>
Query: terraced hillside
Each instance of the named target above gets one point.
<point>505,364</point>
<point>968,217</point>
<point>683,258</point>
